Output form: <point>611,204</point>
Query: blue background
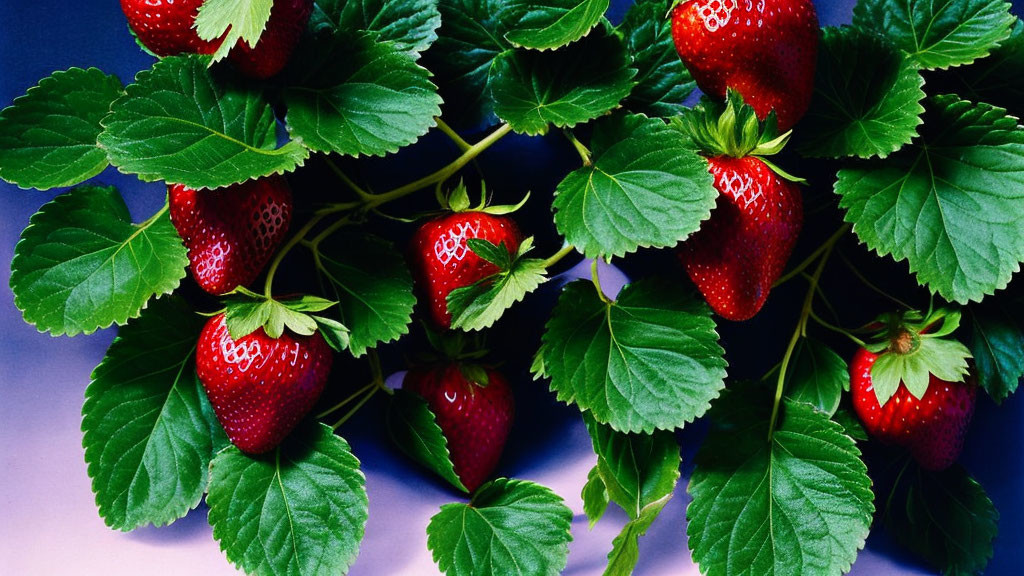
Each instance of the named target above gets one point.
<point>49,524</point>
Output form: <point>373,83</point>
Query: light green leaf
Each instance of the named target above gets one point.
<point>867,97</point>
<point>48,136</point>
<point>481,304</point>
<point>997,345</point>
<point>798,503</point>
<point>366,98</point>
<point>569,86</point>
<point>944,517</point>
<point>951,204</point>
<point>938,33</point>
<point>645,188</point>
<point>297,511</point>
<point>626,546</point>
<point>945,359</point>
<point>372,285</point>
<point>244,316</point>
<point>179,123</point>
<point>649,361</point>
<point>510,527</point>
<point>149,431</point>
<point>595,497</point>
<point>817,376</point>
<point>662,82</point>
<point>235,20</point>
<point>410,24</point>
<point>414,430</point>
<point>335,333</point>
<point>82,265</point>
<point>547,24</point>
<point>997,79</point>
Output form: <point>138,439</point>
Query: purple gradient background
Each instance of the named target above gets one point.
<point>49,523</point>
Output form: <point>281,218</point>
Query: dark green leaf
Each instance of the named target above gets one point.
<point>372,285</point>
<point>625,547</point>
<point>649,361</point>
<point>297,511</point>
<point>938,33</point>
<point>951,204</point>
<point>510,527</point>
<point>569,86</point>
<point>149,431</point>
<point>547,24</point>
<point>946,518</point>
<point>997,345</point>
<point>334,332</point>
<point>82,265</point>
<point>481,304</point>
<point>849,421</point>
<point>595,497</point>
<point>645,188</point>
<point>363,97</point>
<point>999,78</point>
<point>662,82</point>
<point>414,429</point>
<point>798,503</point>
<point>179,123</point>
<point>410,24</point>
<point>48,136</point>
<point>867,97</point>
<point>817,376</point>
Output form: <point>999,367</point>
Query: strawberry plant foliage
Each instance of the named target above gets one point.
<point>817,376</point>
<point>547,24</point>
<point>48,137</point>
<point>410,24</point>
<point>82,265</point>
<point>297,511</point>
<point>997,345</point>
<point>150,432</point>
<point>662,82</point>
<point>413,428</point>
<point>997,79</point>
<point>235,20</point>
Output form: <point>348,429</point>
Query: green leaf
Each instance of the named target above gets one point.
<point>244,316</point>
<point>179,123</point>
<point>997,344</point>
<point>235,20</point>
<point>410,24</point>
<point>849,421</point>
<point>547,24</point>
<point>867,99</point>
<point>413,428</point>
<point>365,98</point>
<point>946,518</point>
<point>649,361</point>
<point>997,79</point>
<point>481,304</point>
<point>82,265</point>
<point>645,188</point>
<point>149,431</point>
<point>335,333</point>
<point>797,503</point>
<point>951,204</point>
<point>369,279</point>
<point>938,33</point>
<point>299,510</point>
<point>945,359</point>
<point>662,82</point>
<point>48,136</point>
<point>566,87</point>
<point>510,527</point>
<point>817,376</point>
<point>595,497</point>
<point>626,546</point>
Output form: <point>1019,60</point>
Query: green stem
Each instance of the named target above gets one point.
<point>346,401</point>
<point>356,408</point>
<point>363,194</point>
<point>377,371</point>
<point>895,486</point>
<point>836,329</point>
<point>462,144</point>
<point>582,150</point>
<point>338,224</point>
<point>596,279</point>
<point>827,245</point>
<point>866,282</point>
<point>557,256</point>
<point>298,237</point>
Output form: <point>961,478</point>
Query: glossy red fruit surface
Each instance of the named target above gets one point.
<point>442,261</point>
<point>287,22</point>
<point>165,26</point>
<point>742,249</point>
<point>932,428</point>
<point>474,419</point>
<point>232,232</point>
<point>260,387</point>
<point>765,49</point>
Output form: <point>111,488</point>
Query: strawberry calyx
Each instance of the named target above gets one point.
<point>462,349</point>
<point>457,200</point>
<point>732,128</point>
<point>913,347</point>
<point>246,312</point>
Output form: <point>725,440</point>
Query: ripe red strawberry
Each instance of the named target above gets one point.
<point>260,387</point>
<point>932,428</point>
<point>764,49</point>
<point>287,22</point>
<point>165,26</point>
<point>475,419</point>
<point>231,233</point>
<point>442,260</point>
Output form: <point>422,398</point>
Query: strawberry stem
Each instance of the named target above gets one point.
<point>595,277</point>
<point>836,329</point>
<point>827,245</point>
<point>373,390</point>
<point>462,144</point>
<point>346,401</point>
<point>557,256</point>
<point>363,194</point>
<point>582,150</point>
<point>292,242</point>
<point>872,287</point>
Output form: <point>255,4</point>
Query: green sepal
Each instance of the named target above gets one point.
<point>731,128</point>
<point>474,374</point>
<point>481,304</point>
<point>245,312</point>
<point>336,334</point>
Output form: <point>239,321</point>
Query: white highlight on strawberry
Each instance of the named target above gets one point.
<point>241,354</point>
<point>716,13</point>
<point>742,187</point>
<point>452,245</point>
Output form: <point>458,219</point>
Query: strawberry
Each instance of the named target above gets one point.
<point>932,428</point>
<point>765,49</point>
<point>260,387</point>
<point>442,260</point>
<point>475,418</point>
<point>231,233</point>
<point>742,249</point>
<point>165,26</point>
<point>287,22</point>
